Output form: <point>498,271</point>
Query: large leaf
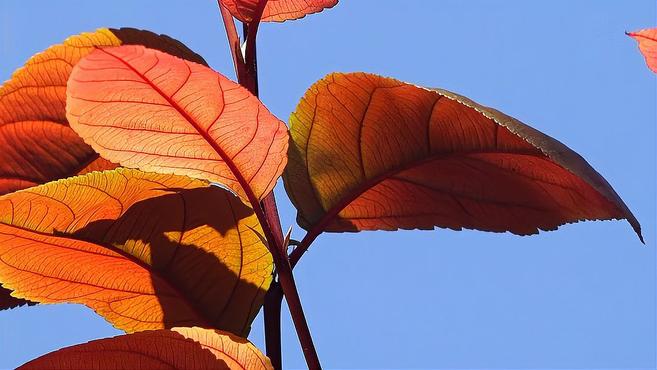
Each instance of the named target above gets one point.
<point>146,109</point>
<point>276,10</point>
<point>36,144</point>
<point>179,348</point>
<point>374,153</point>
<point>648,45</point>
<point>145,251</point>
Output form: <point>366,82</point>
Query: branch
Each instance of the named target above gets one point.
<point>273,300</point>
<point>233,42</point>
<point>286,280</point>
<point>305,243</point>
<point>267,212</point>
<point>252,33</point>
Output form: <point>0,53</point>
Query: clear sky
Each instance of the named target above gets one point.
<point>580,297</point>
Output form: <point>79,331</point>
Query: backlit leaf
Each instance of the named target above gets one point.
<point>145,251</point>
<point>180,348</point>
<point>149,110</point>
<point>36,144</point>
<point>648,45</point>
<point>276,10</point>
<point>374,153</point>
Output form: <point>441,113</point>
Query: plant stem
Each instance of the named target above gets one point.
<point>298,318</point>
<point>273,301</point>
<point>250,36</point>
<point>267,212</point>
<point>304,245</point>
<point>233,41</point>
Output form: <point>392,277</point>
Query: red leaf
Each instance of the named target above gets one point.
<point>276,10</point>
<point>143,250</point>
<point>648,45</point>
<point>374,153</point>
<point>179,348</point>
<point>36,144</point>
<point>149,110</point>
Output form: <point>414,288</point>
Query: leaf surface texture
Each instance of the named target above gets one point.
<point>146,109</point>
<point>374,153</point>
<point>647,40</point>
<point>36,143</point>
<point>143,250</point>
<point>180,348</point>
<point>276,10</point>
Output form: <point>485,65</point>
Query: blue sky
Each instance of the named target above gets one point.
<point>581,297</point>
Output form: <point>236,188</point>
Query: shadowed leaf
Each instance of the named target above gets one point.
<point>648,45</point>
<point>276,10</point>
<point>374,153</point>
<point>36,144</point>
<point>145,251</point>
<point>179,348</point>
<point>149,110</point>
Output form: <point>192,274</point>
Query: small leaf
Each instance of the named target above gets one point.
<point>648,45</point>
<point>276,10</point>
<point>149,110</point>
<point>36,144</point>
<point>374,153</point>
<point>143,250</point>
<point>179,348</point>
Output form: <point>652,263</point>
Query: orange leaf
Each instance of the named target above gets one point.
<point>276,10</point>
<point>36,143</point>
<point>648,45</point>
<point>179,348</point>
<point>145,251</point>
<point>374,153</point>
<point>149,110</point>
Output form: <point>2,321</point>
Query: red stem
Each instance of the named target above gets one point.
<point>233,41</point>
<point>252,33</point>
<point>272,315</point>
<point>274,297</point>
<point>305,243</point>
<point>267,212</point>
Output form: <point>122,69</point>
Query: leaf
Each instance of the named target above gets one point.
<point>180,348</point>
<point>648,45</point>
<point>276,10</point>
<point>374,153</point>
<point>37,144</point>
<point>149,110</point>
<point>143,250</point>
<point>7,301</point>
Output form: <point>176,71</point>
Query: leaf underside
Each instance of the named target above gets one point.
<point>374,153</point>
<point>276,10</point>
<point>143,250</point>
<point>180,348</point>
<point>37,144</point>
<point>149,110</point>
<point>647,40</point>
